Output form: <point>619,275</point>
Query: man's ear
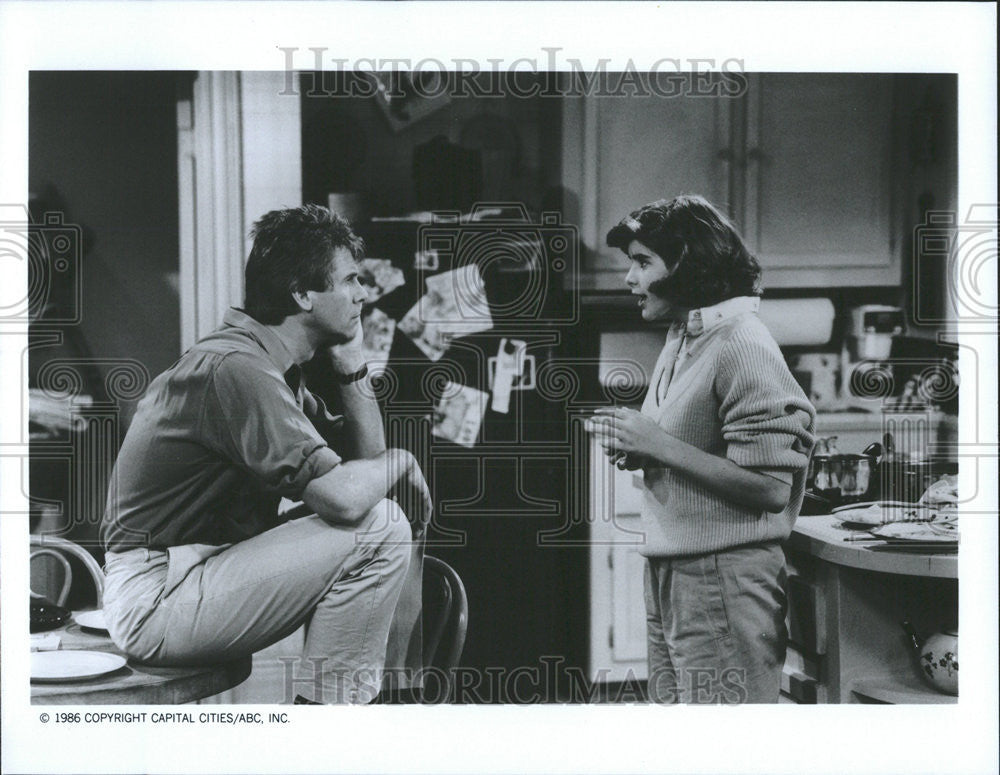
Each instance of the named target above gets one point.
<point>304,300</point>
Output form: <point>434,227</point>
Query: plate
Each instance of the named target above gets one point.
<point>868,504</point>
<point>880,514</point>
<point>60,666</point>
<point>919,532</point>
<point>92,620</point>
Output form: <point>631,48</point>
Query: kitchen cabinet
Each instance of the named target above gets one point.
<point>617,609</point>
<point>804,164</point>
<point>846,604</point>
<point>815,198</point>
<point>620,152</point>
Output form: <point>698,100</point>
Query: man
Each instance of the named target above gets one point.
<point>199,566</point>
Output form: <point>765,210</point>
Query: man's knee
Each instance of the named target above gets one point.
<point>388,525</point>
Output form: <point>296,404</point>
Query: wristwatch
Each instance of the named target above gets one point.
<point>347,379</point>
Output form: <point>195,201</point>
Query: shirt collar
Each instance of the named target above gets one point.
<point>706,318</point>
<point>267,339</point>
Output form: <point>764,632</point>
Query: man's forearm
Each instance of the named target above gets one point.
<point>347,493</point>
<point>363,427</point>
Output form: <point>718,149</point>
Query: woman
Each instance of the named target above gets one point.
<point>723,440</point>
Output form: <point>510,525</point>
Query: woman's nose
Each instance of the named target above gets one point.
<point>630,280</point>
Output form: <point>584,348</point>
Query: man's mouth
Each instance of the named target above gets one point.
<point>642,299</point>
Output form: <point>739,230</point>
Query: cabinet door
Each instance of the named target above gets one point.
<point>628,608</point>
<point>620,153</point>
<point>617,609</point>
<point>819,187</point>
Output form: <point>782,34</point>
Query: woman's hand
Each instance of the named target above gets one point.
<point>630,432</point>
<point>626,462</point>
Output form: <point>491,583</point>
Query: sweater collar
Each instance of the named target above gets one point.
<point>706,318</point>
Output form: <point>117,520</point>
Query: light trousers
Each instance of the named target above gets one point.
<point>195,604</point>
<point>715,626</point>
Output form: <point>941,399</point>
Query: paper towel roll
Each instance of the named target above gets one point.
<point>798,321</point>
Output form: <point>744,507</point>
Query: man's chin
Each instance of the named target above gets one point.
<point>341,337</point>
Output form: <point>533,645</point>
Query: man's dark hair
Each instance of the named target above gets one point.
<point>714,264</point>
<point>292,251</point>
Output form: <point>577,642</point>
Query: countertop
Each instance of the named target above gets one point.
<point>823,537</point>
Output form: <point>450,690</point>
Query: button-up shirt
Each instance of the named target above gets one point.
<point>216,442</point>
<point>681,336</point>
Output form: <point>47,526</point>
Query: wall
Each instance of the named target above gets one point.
<point>349,144</point>
<point>103,147</point>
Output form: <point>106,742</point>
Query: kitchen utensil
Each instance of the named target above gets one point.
<point>841,478</point>
<point>855,476</point>
<point>59,666</point>
<point>936,657</point>
<point>825,481</point>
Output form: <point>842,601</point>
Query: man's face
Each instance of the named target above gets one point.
<point>337,310</point>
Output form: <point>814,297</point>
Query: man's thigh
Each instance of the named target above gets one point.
<point>258,591</point>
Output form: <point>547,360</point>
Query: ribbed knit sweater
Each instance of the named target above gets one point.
<point>729,393</point>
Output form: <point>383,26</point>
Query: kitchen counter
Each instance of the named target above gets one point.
<point>846,603</point>
<point>823,538</point>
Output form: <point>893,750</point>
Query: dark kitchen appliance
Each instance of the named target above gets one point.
<point>498,499</point>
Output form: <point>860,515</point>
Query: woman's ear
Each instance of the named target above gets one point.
<point>304,300</point>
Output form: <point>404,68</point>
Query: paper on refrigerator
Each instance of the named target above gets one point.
<point>455,305</point>
<point>381,277</point>
<point>459,414</point>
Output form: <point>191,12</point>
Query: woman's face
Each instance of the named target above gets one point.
<point>646,269</point>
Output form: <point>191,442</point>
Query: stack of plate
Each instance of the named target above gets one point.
<point>907,527</point>
<point>934,537</point>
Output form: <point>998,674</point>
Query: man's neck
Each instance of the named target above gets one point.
<point>295,338</point>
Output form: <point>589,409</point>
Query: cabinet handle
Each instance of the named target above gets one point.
<point>726,155</point>
<point>756,155</point>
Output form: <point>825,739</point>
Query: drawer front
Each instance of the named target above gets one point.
<point>628,490</point>
<point>806,615</point>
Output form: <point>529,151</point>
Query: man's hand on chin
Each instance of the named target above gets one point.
<point>348,357</point>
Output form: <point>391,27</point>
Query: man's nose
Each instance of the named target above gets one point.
<point>630,280</point>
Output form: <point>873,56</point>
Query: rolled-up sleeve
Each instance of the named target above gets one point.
<point>767,421</point>
<point>251,417</point>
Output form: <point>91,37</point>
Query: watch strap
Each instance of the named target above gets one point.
<point>348,379</point>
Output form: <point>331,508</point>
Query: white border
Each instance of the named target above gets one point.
<point>896,37</point>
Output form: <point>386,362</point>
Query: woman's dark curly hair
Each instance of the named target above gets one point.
<point>713,263</point>
<point>292,251</point>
